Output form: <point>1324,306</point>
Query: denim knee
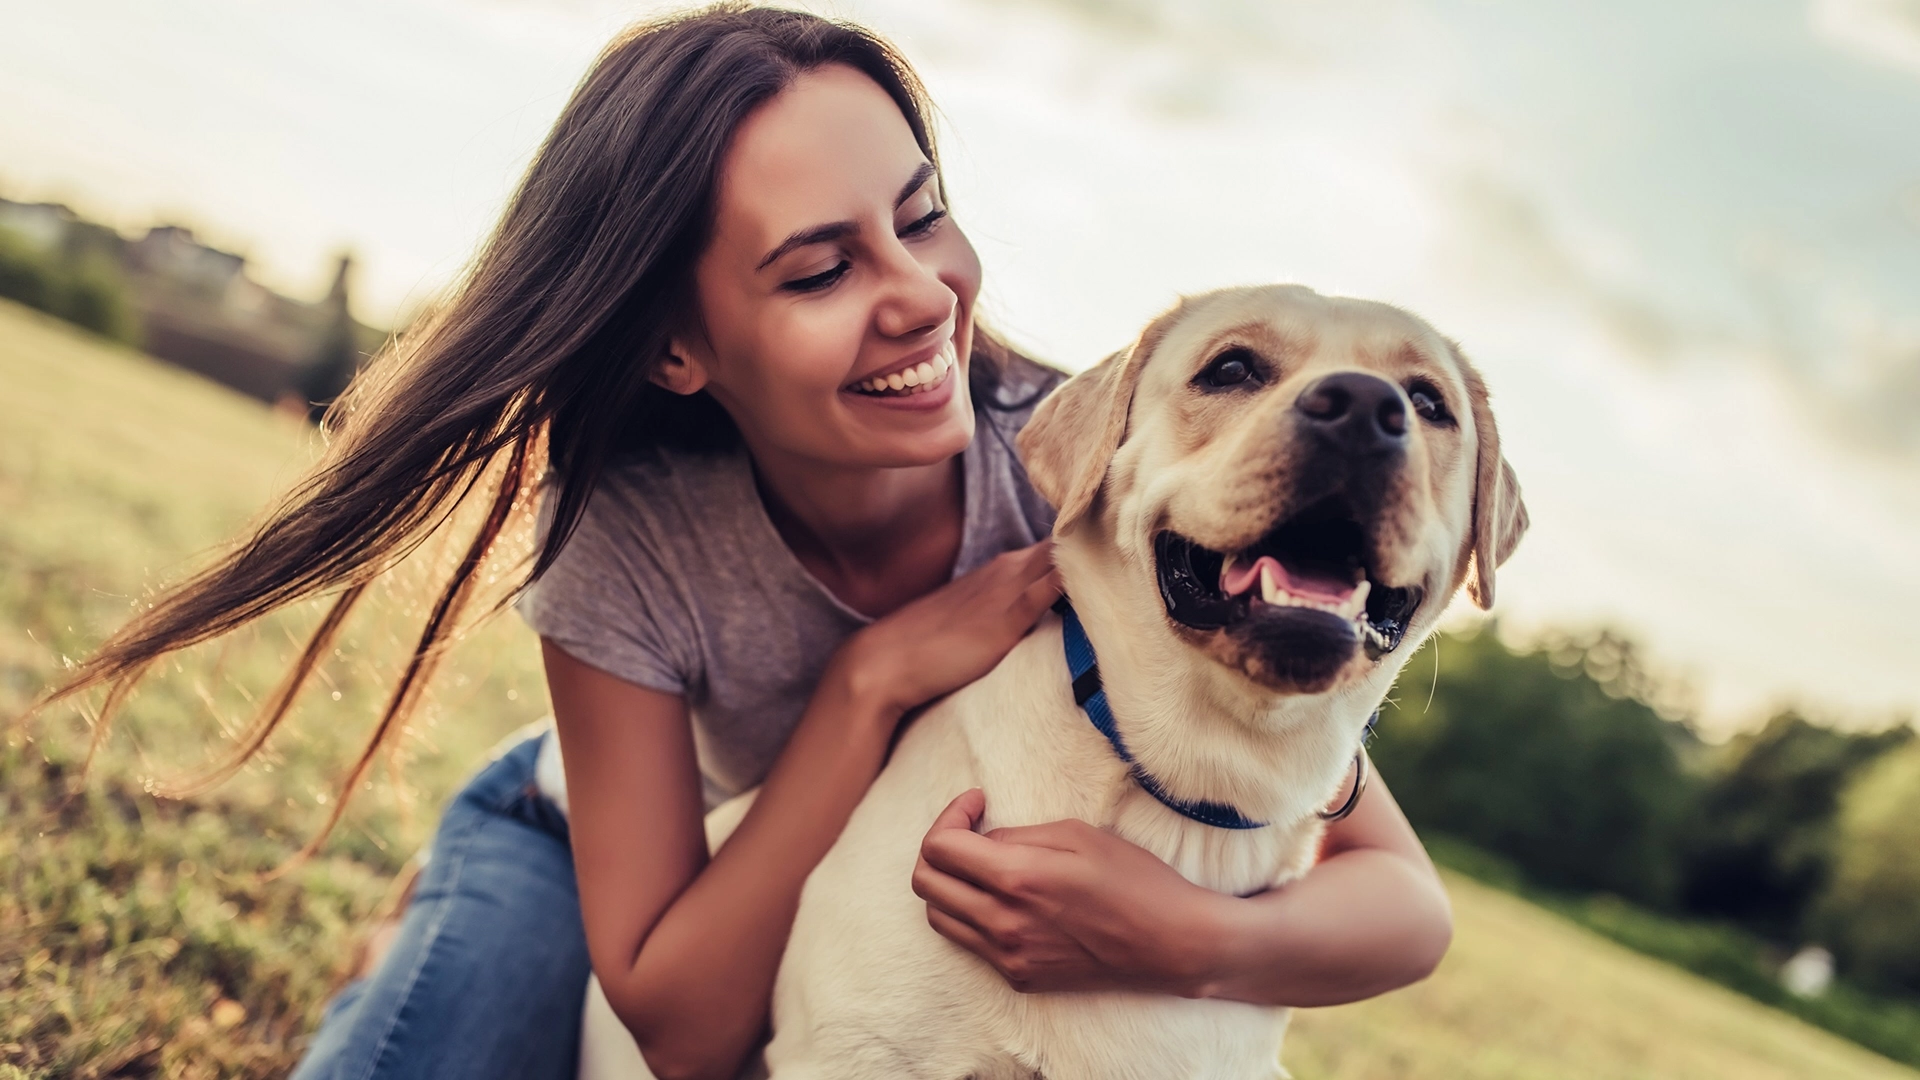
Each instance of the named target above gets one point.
<point>489,969</point>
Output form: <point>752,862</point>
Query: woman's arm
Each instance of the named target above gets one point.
<point>686,948</point>
<point>1066,906</point>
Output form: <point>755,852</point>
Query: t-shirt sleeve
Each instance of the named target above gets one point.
<point>609,602</point>
<point>1035,508</point>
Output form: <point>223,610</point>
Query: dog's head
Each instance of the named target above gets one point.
<point>1301,482</point>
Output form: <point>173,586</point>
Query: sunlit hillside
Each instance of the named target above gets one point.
<point>136,938</point>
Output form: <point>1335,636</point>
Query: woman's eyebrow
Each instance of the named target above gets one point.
<point>820,234</point>
<point>919,177</point>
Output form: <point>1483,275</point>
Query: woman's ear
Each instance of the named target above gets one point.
<point>683,370</point>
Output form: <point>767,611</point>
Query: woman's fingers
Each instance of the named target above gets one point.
<point>962,934</point>
<point>1026,565</point>
<point>1038,554</point>
<point>1013,872</point>
<point>962,853</point>
<point>984,926</point>
<point>1038,596</point>
<point>953,897</point>
<point>956,633</point>
<point>951,849</point>
<point>962,813</point>
<point>1071,834</point>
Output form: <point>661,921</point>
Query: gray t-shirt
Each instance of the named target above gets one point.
<point>676,580</point>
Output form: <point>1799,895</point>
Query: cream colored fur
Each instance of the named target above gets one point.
<point>866,989</point>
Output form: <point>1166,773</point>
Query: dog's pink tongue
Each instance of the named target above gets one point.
<point>1240,577</point>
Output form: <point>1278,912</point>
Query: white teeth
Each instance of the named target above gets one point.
<point>1353,607</point>
<point>1373,636</point>
<point>917,379</point>
<point>1226,568</point>
<point>1357,603</point>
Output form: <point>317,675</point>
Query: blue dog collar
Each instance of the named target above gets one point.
<point>1091,696</point>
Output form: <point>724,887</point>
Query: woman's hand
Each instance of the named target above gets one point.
<point>951,636</point>
<point>1061,906</point>
<point>1066,906</point>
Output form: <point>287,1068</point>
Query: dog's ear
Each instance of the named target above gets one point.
<point>1075,431</point>
<point>1499,515</point>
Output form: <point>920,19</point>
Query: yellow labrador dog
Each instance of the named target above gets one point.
<point>1264,505</point>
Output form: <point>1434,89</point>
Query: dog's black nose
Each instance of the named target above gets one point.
<point>1357,412</point>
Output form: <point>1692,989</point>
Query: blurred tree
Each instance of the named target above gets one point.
<point>26,275</point>
<point>1762,844</point>
<point>81,283</point>
<point>1551,758</point>
<point>1870,910</point>
<point>95,297</point>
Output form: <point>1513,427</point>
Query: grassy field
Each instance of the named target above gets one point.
<point>139,938</point>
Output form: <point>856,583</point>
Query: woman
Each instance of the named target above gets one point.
<point>784,514</point>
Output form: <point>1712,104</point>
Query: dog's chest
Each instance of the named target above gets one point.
<point>1239,862</point>
<point>1039,759</point>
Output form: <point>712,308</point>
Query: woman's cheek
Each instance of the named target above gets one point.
<point>823,345</point>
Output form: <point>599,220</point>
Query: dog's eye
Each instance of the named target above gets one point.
<point>1234,367</point>
<point>1428,402</point>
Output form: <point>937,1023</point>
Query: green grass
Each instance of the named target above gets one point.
<point>1526,994</point>
<point>127,922</point>
<point>1717,951</point>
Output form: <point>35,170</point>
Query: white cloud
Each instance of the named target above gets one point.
<point>1886,31</point>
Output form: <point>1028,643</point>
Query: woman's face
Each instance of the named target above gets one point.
<point>836,299</point>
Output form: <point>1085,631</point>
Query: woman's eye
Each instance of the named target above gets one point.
<point>820,280</point>
<point>1428,403</point>
<point>924,224</point>
<point>1230,368</point>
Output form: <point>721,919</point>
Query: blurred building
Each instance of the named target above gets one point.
<point>193,305</point>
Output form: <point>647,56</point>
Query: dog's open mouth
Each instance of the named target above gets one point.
<point>1315,561</point>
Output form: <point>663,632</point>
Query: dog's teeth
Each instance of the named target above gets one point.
<point>1357,603</point>
<point>1269,587</point>
<point>1226,569</point>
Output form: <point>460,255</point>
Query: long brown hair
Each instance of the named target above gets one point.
<point>539,362</point>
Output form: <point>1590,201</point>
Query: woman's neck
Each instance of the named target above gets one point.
<point>876,538</point>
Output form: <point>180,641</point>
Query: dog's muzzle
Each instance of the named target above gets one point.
<point>1311,583</point>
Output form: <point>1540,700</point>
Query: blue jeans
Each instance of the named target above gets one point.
<point>487,976</point>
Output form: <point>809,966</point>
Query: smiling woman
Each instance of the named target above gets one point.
<point>801,321</point>
<point>728,319</point>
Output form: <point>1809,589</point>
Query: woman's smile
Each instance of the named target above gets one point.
<point>918,381</point>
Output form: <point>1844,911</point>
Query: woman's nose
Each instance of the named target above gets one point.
<point>916,299</point>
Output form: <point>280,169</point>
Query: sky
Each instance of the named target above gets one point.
<point>1681,239</point>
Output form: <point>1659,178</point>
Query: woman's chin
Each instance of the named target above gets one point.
<point>926,439</point>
